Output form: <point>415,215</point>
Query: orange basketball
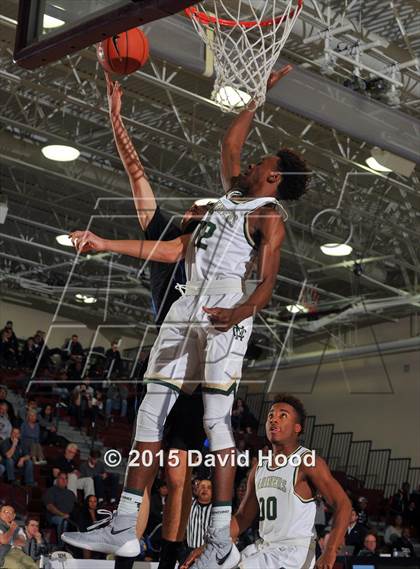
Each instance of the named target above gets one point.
<point>124,53</point>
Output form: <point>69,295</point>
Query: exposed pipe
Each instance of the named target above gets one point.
<point>313,358</point>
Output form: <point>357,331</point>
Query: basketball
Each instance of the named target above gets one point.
<point>124,53</point>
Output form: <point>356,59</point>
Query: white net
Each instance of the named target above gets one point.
<point>246,38</point>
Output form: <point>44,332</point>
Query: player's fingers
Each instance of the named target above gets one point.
<point>285,70</point>
<point>208,310</point>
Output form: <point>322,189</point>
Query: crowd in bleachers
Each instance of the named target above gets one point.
<point>50,489</point>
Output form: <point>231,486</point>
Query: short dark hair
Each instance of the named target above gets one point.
<point>295,403</point>
<point>295,175</point>
<point>95,453</point>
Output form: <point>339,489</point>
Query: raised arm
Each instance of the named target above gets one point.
<point>161,251</point>
<point>320,476</point>
<point>272,231</point>
<point>144,199</point>
<point>237,134</point>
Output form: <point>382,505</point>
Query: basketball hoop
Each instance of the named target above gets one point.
<point>246,38</point>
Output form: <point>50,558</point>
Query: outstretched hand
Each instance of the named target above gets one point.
<point>86,241</point>
<point>114,92</point>
<point>275,76</point>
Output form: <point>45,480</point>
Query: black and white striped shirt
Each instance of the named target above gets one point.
<point>198,523</point>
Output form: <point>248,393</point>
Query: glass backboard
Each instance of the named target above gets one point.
<point>48,30</point>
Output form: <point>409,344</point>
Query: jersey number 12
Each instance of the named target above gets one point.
<point>206,230</point>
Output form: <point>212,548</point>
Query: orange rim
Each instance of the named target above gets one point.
<point>193,12</point>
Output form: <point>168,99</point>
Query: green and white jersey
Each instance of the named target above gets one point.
<point>285,518</point>
<point>221,247</point>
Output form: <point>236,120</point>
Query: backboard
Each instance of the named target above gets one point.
<point>48,30</point>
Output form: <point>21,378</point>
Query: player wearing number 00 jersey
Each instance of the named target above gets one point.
<point>283,496</point>
<point>281,490</point>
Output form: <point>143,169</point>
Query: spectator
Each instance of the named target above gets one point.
<point>320,517</point>
<point>75,481</point>
<point>404,543</point>
<point>399,501</point>
<point>73,351</point>
<point>30,405</point>
<point>10,409</point>
<point>75,371</point>
<point>48,425</point>
<point>8,354</point>
<point>199,519</point>
<point>405,490</point>
<point>31,437</point>
<point>41,350</point>
<point>61,387</point>
<point>59,502</point>
<point>89,515</point>
<point>415,497</point>
<point>35,545</point>
<point>355,533</point>
<point>394,530</point>
<point>16,457</point>
<point>240,492</point>
<point>248,536</point>
<point>39,341</point>
<point>97,405</point>
<point>12,538</point>
<point>238,411</point>
<point>362,516</point>
<point>116,400</point>
<point>113,360</point>
<point>11,335</point>
<point>157,503</point>
<point>412,515</point>
<point>29,354</point>
<point>106,483</point>
<point>195,486</point>
<point>5,424</point>
<point>81,401</point>
<point>369,546</point>
<point>322,542</point>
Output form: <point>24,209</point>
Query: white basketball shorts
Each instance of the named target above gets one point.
<point>189,350</point>
<point>261,556</point>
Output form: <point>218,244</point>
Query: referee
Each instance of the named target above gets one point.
<point>199,516</point>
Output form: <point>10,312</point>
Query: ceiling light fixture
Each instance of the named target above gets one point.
<point>49,22</point>
<point>375,165</point>
<point>230,97</point>
<point>385,161</point>
<point>336,249</point>
<point>297,308</point>
<point>85,298</point>
<point>60,152</point>
<point>64,240</point>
